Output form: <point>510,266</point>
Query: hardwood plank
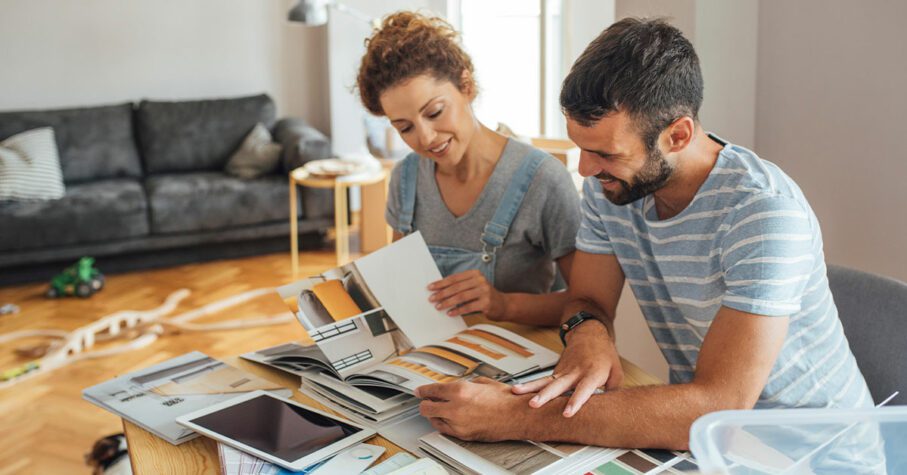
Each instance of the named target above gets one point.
<point>46,427</point>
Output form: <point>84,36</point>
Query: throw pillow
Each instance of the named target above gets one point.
<point>30,166</point>
<point>256,156</point>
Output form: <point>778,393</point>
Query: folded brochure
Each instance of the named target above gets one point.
<point>154,397</point>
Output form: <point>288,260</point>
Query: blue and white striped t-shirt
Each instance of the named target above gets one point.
<point>748,241</point>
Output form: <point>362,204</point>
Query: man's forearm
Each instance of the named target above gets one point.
<point>645,417</point>
<point>576,304</point>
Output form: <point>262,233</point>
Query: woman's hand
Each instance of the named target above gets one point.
<point>468,292</point>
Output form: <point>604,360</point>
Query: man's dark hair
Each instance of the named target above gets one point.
<point>644,67</point>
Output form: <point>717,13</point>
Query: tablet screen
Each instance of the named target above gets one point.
<point>285,431</point>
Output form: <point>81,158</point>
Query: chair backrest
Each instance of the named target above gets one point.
<point>873,311</point>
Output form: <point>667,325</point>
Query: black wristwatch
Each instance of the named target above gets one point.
<point>573,322</point>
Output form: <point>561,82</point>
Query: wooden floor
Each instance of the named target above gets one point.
<point>46,427</point>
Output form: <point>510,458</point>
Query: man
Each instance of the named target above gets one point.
<point>720,248</point>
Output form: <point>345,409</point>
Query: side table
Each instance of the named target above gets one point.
<point>340,185</point>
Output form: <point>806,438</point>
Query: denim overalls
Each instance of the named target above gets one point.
<point>451,260</point>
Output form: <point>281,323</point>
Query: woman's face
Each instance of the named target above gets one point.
<point>432,116</point>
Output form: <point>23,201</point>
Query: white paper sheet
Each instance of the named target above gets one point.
<point>398,275</point>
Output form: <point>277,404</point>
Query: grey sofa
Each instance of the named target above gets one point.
<point>145,187</point>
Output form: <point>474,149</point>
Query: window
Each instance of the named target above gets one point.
<point>517,49</point>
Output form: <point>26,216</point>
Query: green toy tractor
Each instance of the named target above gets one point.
<point>81,279</point>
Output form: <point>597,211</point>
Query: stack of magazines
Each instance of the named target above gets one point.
<point>377,338</point>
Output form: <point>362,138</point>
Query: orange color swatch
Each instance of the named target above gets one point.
<point>476,347</point>
<point>518,349</point>
<point>423,370</point>
<point>336,300</point>
<point>448,355</point>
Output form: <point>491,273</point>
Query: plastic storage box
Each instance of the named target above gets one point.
<point>802,441</point>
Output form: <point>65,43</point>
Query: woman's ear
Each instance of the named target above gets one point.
<point>468,85</point>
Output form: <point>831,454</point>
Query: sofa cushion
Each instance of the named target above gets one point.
<point>94,143</point>
<point>90,212</point>
<point>204,201</point>
<point>257,156</point>
<point>197,135</point>
<point>30,167</point>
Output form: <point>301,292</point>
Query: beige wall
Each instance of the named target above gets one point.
<point>832,91</point>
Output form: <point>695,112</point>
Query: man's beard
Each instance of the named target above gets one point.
<point>653,175</point>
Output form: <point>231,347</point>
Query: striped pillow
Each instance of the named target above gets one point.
<point>30,166</point>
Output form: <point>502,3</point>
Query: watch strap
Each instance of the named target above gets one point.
<point>573,322</point>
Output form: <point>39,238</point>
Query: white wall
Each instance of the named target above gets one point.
<point>832,91</point>
<point>60,53</point>
<point>345,36</point>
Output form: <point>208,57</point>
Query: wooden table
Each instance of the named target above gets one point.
<point>153,455</point>
<point>340,185</point>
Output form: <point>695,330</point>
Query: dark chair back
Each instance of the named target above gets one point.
<point>873,311</point>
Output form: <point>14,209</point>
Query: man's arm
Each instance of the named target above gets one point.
<point>734,362</point>
<point>590,359</point>
<point>733,365</point>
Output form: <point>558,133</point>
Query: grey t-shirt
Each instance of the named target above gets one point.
<point>543,230</point>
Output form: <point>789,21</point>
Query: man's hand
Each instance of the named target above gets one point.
<point>481,409</point>
<point>589,362</point>
<point>468,292</point>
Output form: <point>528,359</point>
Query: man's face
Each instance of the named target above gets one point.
<point>613,151</point>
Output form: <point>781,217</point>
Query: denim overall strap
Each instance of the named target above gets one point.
<point>409,174</point>
<point>496,230</point>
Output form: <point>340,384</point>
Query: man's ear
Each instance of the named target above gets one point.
<point>680,133</point>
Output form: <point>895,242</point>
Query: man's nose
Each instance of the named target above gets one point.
<point>588,165</point>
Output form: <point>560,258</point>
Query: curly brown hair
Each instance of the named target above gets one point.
<point>407,45</point>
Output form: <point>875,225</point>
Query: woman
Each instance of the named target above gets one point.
<point>496,213</point>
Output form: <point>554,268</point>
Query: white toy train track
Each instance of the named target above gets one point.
<point>139,327</point>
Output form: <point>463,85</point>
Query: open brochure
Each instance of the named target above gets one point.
<point>374,327</point>
<point>154,397</point>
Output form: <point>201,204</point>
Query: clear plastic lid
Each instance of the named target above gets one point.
<point>802,441</point>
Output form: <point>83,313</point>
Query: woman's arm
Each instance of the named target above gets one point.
<point>539,309</point>
<point>469,292</point>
